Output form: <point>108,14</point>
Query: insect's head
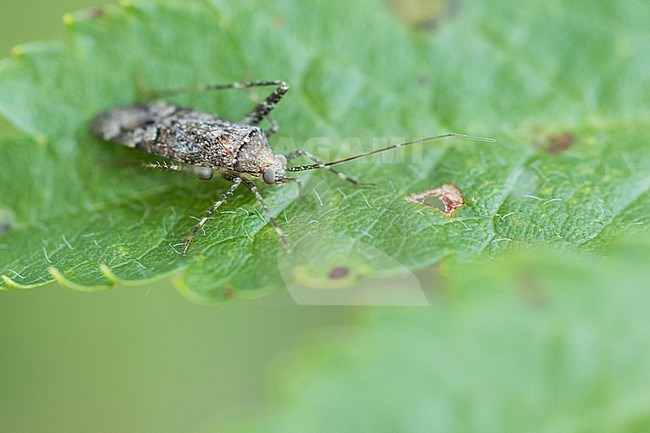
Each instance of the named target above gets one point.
<point>276,171</point>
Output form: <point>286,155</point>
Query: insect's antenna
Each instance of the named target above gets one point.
<point>209,87</point>
<point>383,149</point>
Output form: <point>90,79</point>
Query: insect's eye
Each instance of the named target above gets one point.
<point>269,175</point>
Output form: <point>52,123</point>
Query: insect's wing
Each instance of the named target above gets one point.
<point>173,132</point>
<point>130,126</point>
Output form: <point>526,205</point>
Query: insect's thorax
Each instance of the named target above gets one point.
<point>231,146</point>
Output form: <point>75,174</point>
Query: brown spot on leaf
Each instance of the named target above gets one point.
<point>277,21</point>
<point>445,199</point>
<point>5,225</point>
<point>532,291</point>
<point>96,12</point>
<point>560,143</point>
<point>339,272</point>
<point>423,14</point>
<point>424,81</point>
<point>228,293</point>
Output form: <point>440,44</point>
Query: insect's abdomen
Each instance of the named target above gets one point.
<point>178,133</point>
<point>127,125</point>
<point>158,128</point>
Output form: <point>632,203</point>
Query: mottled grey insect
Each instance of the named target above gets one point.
<point>204,143</point>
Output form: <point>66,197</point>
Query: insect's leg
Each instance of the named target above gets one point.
<point>296,181</point>
<point>297,153</point>
<point>203,173</point>
<point>236,181</point>
<point>255,116</point>
<point>250,185</point>
<point>261,110</point>
<point>273,128</point>
<point>274,125</point>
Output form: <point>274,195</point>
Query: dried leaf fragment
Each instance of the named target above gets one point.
<point>447,199</point>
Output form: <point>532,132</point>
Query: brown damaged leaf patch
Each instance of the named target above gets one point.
<point>424,14</point>
<point>339,272</point>
<point>445,199</point>
<point>560,143</point>
<point>95,12</point>
<point>5,224</point>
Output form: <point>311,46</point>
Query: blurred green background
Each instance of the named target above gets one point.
<point>132,358</point>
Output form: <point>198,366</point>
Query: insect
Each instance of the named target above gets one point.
<point>203,143</point>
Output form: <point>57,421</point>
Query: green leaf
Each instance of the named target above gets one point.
<point>570,74</point>
<point>538,342</point>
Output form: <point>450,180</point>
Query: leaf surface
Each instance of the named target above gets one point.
<point>562,87</point>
